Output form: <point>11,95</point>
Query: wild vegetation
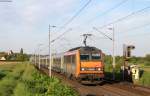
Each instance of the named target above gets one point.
<point>25,80</point>
<point>143,62</point>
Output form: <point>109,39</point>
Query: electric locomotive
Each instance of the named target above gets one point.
<point>84,64</point>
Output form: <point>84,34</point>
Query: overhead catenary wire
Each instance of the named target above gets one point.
<point>99,37</point>
<point>5,0</point>
<point>138,27</point>
<point>102,33</point>
<point>125,17</point>
<point>70,20</point>
<point>61,35</point>
<point>145,25</point>
<point>108,10</point>
<point>75,15</point>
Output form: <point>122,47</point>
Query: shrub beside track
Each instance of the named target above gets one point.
<point>25,80</point>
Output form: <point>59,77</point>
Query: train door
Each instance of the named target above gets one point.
<point>70,62</point>
<point>62,64</point>
<point>73,64</point>
<point>67,60</point>
<point>69,68</point>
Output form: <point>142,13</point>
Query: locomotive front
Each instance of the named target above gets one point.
<point>91,65</point>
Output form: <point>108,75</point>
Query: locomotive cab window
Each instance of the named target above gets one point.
<point>96,56</point>
<point>84,57</point>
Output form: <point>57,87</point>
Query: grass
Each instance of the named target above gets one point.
<point>8,83</point>
<point>25,80</point>
<point>145,78</point>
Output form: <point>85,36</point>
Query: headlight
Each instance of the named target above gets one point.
<point>99,69</point>
<point>82,69</point>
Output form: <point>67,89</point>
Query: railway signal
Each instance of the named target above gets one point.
<point>126,55</point>
<point>128,50</point>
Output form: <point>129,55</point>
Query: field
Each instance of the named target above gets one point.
<point>24,80</point>
<point>145,78</point>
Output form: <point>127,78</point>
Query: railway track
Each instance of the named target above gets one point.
<point>97,90</point>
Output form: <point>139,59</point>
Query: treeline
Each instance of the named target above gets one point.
<point>134,60</point>
<point>143,61</point>
<point>16,56</point>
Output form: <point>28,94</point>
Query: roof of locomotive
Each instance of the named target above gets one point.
<point>85,48</point>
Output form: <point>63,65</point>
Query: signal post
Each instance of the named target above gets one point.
<point>126,56</point>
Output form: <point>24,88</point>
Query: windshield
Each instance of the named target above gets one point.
<point>96,56</point>
<point>84,57</point>
<point>90,56</point>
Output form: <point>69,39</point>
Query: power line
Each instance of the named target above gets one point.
<point>61,35</point>
<point>138,27</point>
<point>102,33</point>
<point>125,17</point>
<point>109,10</point>
<point>5,1</point>
<point>136,35</point>
<point>70,20</point>
<point>76,14</point>
<point>145,25</point>
<point>98,37</point>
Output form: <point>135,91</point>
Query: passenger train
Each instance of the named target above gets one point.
<point>84,64</point>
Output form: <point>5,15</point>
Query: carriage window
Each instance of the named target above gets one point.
<point>84,57</point>
<point>96,56</point>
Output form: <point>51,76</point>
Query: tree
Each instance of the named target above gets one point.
<point>147,57</point>
<point>21,51</point>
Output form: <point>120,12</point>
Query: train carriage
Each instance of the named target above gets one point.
<point>57,62</point>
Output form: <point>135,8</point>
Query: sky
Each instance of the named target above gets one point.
<point>25,24</point>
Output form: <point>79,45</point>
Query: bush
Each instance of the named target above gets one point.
<point>6,87</point>
<point>33,83</point>
<point>25,80</point>
<point>2,74</point>
<point>8,83</point>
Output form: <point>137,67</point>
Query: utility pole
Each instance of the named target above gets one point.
<point>35,59</point>
<point>113,46</point>
<point>114,60</point>
<point>50,65</point>
<point>39,55</point>
<point>39,60</point>
<point>85,38</point>
<point>46,60</point>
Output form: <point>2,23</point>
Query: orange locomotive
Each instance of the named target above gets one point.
<point>82,63</point>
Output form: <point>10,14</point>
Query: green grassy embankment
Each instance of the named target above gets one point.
<point>145,78</point>
<point>25,80</point>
